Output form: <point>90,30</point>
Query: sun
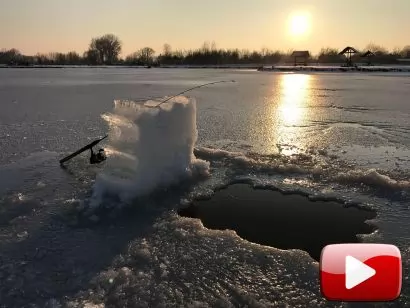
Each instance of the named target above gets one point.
<point>299,24</point>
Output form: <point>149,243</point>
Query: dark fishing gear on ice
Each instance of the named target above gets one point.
<point>100,156</point>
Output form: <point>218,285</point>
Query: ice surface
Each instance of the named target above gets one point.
<point>182,264</point>
<point>28,171</point>
<point>317,163</point>
<point>149,148</point>
<point>280,133</point>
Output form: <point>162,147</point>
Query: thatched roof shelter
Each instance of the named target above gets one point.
<point>368,54</point>
<point>348,52</point>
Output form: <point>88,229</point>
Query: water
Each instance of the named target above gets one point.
<point>330,135</point>
<point>274,219</point>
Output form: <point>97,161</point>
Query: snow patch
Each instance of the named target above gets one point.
<point>149,147</point>
<point>372,178</point>
<point>217,153</point>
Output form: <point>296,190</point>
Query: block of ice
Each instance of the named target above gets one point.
<point>149,147</point>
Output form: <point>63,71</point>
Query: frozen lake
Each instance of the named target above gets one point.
<point>330,135</point>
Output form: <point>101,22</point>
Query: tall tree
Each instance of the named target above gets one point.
<point>107,47</point>
<point>147,55</point>
<point>205,47</point>
<point>213,46</point>
<point>167,50</point>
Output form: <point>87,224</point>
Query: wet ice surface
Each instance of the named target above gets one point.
<point>340,136</point>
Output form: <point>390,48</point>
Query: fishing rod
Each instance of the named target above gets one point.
<point>95,142</point>
<point>138,100</point>
<point>85,148</point>
<point>190,89</point>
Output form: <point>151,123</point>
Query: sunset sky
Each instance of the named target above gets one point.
<point>53,25</point>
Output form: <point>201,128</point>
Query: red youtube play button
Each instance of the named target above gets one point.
<point>360,272</point>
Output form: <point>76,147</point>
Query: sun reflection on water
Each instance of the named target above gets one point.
<point>293,103</point>
<point>292,113</point>
<point>281,123</point>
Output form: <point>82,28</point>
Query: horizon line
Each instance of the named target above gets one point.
<point>250,50</point>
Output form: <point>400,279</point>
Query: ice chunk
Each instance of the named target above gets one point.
<point>372,178</point>
<point>149,147</point>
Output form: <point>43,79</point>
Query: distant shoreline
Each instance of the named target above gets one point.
<point>370,69</point>
<point>264,68</point>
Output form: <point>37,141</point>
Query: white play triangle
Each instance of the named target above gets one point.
<point>356,272</point>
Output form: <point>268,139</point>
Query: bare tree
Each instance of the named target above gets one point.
<point>133,59</point>
<point>265,51</point>
<point>144,56</point>
<point>376,49</point>
<point>60,58</point>
<point>147,55</point>
<point>91,56</point>
<point>73,58</point>
<point>213,46</point>
<point>329,55</point>
<point>205,47</point>
<point>11,56</point>
<point>406,51</point>
<point>107,47</point>
<point>167,49</point>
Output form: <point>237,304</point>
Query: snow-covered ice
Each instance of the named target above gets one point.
<point>332,136</point>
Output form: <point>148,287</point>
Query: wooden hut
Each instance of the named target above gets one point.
<point>348,52</point>
<point>300,57</point>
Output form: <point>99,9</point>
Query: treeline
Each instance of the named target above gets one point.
<point>106,50</point>
<point>379,55</point>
